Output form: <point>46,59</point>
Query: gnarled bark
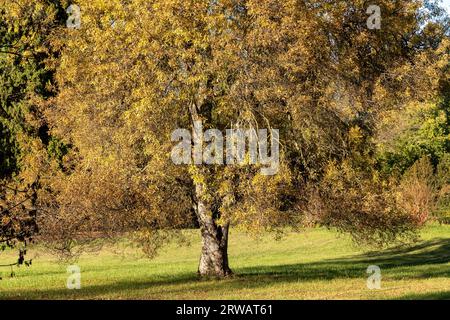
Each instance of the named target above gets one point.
<point>214,256</point>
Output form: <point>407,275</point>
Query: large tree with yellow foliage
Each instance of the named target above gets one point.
<point>134,71</point>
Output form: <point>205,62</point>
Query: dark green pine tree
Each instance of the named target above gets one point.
<point>26,80</point>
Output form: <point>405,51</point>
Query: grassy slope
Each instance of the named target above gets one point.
<point>315,264</point>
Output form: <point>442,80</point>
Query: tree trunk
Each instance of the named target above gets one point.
<point>214,256</point>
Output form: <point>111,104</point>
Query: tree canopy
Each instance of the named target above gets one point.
<point>134,71</point>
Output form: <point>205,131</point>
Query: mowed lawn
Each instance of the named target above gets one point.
<point>314,264</point>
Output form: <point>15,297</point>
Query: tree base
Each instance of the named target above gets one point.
<point>214,263</point>
<point>216,275</point>
<point>214,258</point>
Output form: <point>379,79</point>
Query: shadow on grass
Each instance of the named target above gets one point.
<point>443,295</point>
<point>427,259</point>
<point>424,260</point>
<point>122,289</point>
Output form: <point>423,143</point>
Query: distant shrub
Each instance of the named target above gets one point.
<point>425,191</point>
<point>417,194</point>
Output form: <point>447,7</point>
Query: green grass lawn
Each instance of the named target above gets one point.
<point>314,264</point>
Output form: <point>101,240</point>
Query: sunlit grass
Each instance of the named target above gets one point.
<point>315,264</point>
